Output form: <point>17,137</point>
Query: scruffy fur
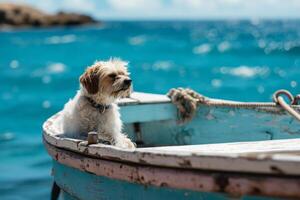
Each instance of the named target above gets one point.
<point>103,82</point>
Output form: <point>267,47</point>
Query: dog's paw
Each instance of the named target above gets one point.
<point>125,143</point>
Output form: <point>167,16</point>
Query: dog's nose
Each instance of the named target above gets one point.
<point>127,81</point>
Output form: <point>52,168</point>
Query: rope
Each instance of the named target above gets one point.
<point>187,102</point>
<point>277,98</point>
<point>288,108</point>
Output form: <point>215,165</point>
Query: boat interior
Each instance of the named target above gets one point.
<point>152,120</point>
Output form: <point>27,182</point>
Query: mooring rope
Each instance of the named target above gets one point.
<point>187,102</point>
<point>277,98</point>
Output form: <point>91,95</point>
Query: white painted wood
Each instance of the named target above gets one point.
<point>238,148</point>
<point>144,98</point>
<point>149,98</point>
<point>127,101</point>
<point>268,157</point>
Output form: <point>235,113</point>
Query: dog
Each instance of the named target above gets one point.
<point>94,106</point>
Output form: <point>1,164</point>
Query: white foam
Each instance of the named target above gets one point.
<point>293,84</point>
<point>202,49</point>
<point>262,43</point>
<point>56,68</point>
<point>162,65</point>
<point>14,64</point>
<point>46,104</point>
<point>224,46</point>
<point>245,71</point>
<point>216,83</point>
<point>137,40</point>
<point>61,39</point>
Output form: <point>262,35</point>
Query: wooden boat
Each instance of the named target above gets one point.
<point>227,151</point>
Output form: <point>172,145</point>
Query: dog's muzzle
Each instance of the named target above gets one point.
<point>126,84</point>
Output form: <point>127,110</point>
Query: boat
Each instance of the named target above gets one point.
<point>228,150</point>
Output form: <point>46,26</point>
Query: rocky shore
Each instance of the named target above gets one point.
<point>14,15</point>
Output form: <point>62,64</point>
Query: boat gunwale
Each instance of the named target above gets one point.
<point>196,180</point>
<point>252,163</point>
<point>212,102</point>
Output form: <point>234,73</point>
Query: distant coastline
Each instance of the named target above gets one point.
<point>19,15</point>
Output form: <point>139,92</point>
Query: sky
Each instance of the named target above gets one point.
<point>173,9</point>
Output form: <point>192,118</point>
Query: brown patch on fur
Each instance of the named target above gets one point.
<point>106,84</point>
<point>90,79</point>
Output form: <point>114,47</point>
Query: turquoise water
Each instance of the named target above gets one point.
<point>239,60</point>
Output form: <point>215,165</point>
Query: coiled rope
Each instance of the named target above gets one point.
<point>187,102</point>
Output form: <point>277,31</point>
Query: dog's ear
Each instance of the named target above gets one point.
<point>90,80</point>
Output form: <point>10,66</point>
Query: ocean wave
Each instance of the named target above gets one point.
<point>216,83</point>
<point>14,64</point>
<point>61,39</point>
<point>162,65</point>
<point>45,72</point>
<point>224,46</point>
<point>137,40</point>
<point>46,104</point>
<point>273,46</point>
<point>245,71</point>
<point>8,136</point>
<point>202,49</point>
<point>293,84</point>
<point>207,48</point>
<point>56,68</point>
<point>46,79</point>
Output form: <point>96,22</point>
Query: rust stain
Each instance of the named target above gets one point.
<point>163,184</point>
<point>221,181</point>
<point>276,169</point>
<point>142,161</point>
<point>185,163</point>
<point>256,191</point>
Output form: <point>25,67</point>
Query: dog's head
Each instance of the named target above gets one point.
<point>107,78</point>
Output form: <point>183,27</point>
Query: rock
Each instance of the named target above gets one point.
<point>13,15</point>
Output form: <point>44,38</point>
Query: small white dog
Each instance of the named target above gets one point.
<point>94,109</point>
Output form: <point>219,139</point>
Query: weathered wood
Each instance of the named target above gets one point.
<point>92,138</point>
<point>233,184</point>
<point>273,167</point>
<point>225,161</point>
<point>149,98</point>
<point>144,98</point>
<point>274,147</point>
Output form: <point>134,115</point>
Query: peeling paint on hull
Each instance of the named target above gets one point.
<point>235,185</point>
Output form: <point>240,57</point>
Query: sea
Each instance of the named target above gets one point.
<point>243,60</point>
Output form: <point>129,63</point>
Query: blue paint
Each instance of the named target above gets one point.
<point>88,186</point>
<point>148,112</point>
<point>210,125</point>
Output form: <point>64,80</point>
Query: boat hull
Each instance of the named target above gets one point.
<point>77,184</point>
<point>82,177</point>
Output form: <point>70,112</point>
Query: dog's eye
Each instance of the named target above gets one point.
<point>112,76</point>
